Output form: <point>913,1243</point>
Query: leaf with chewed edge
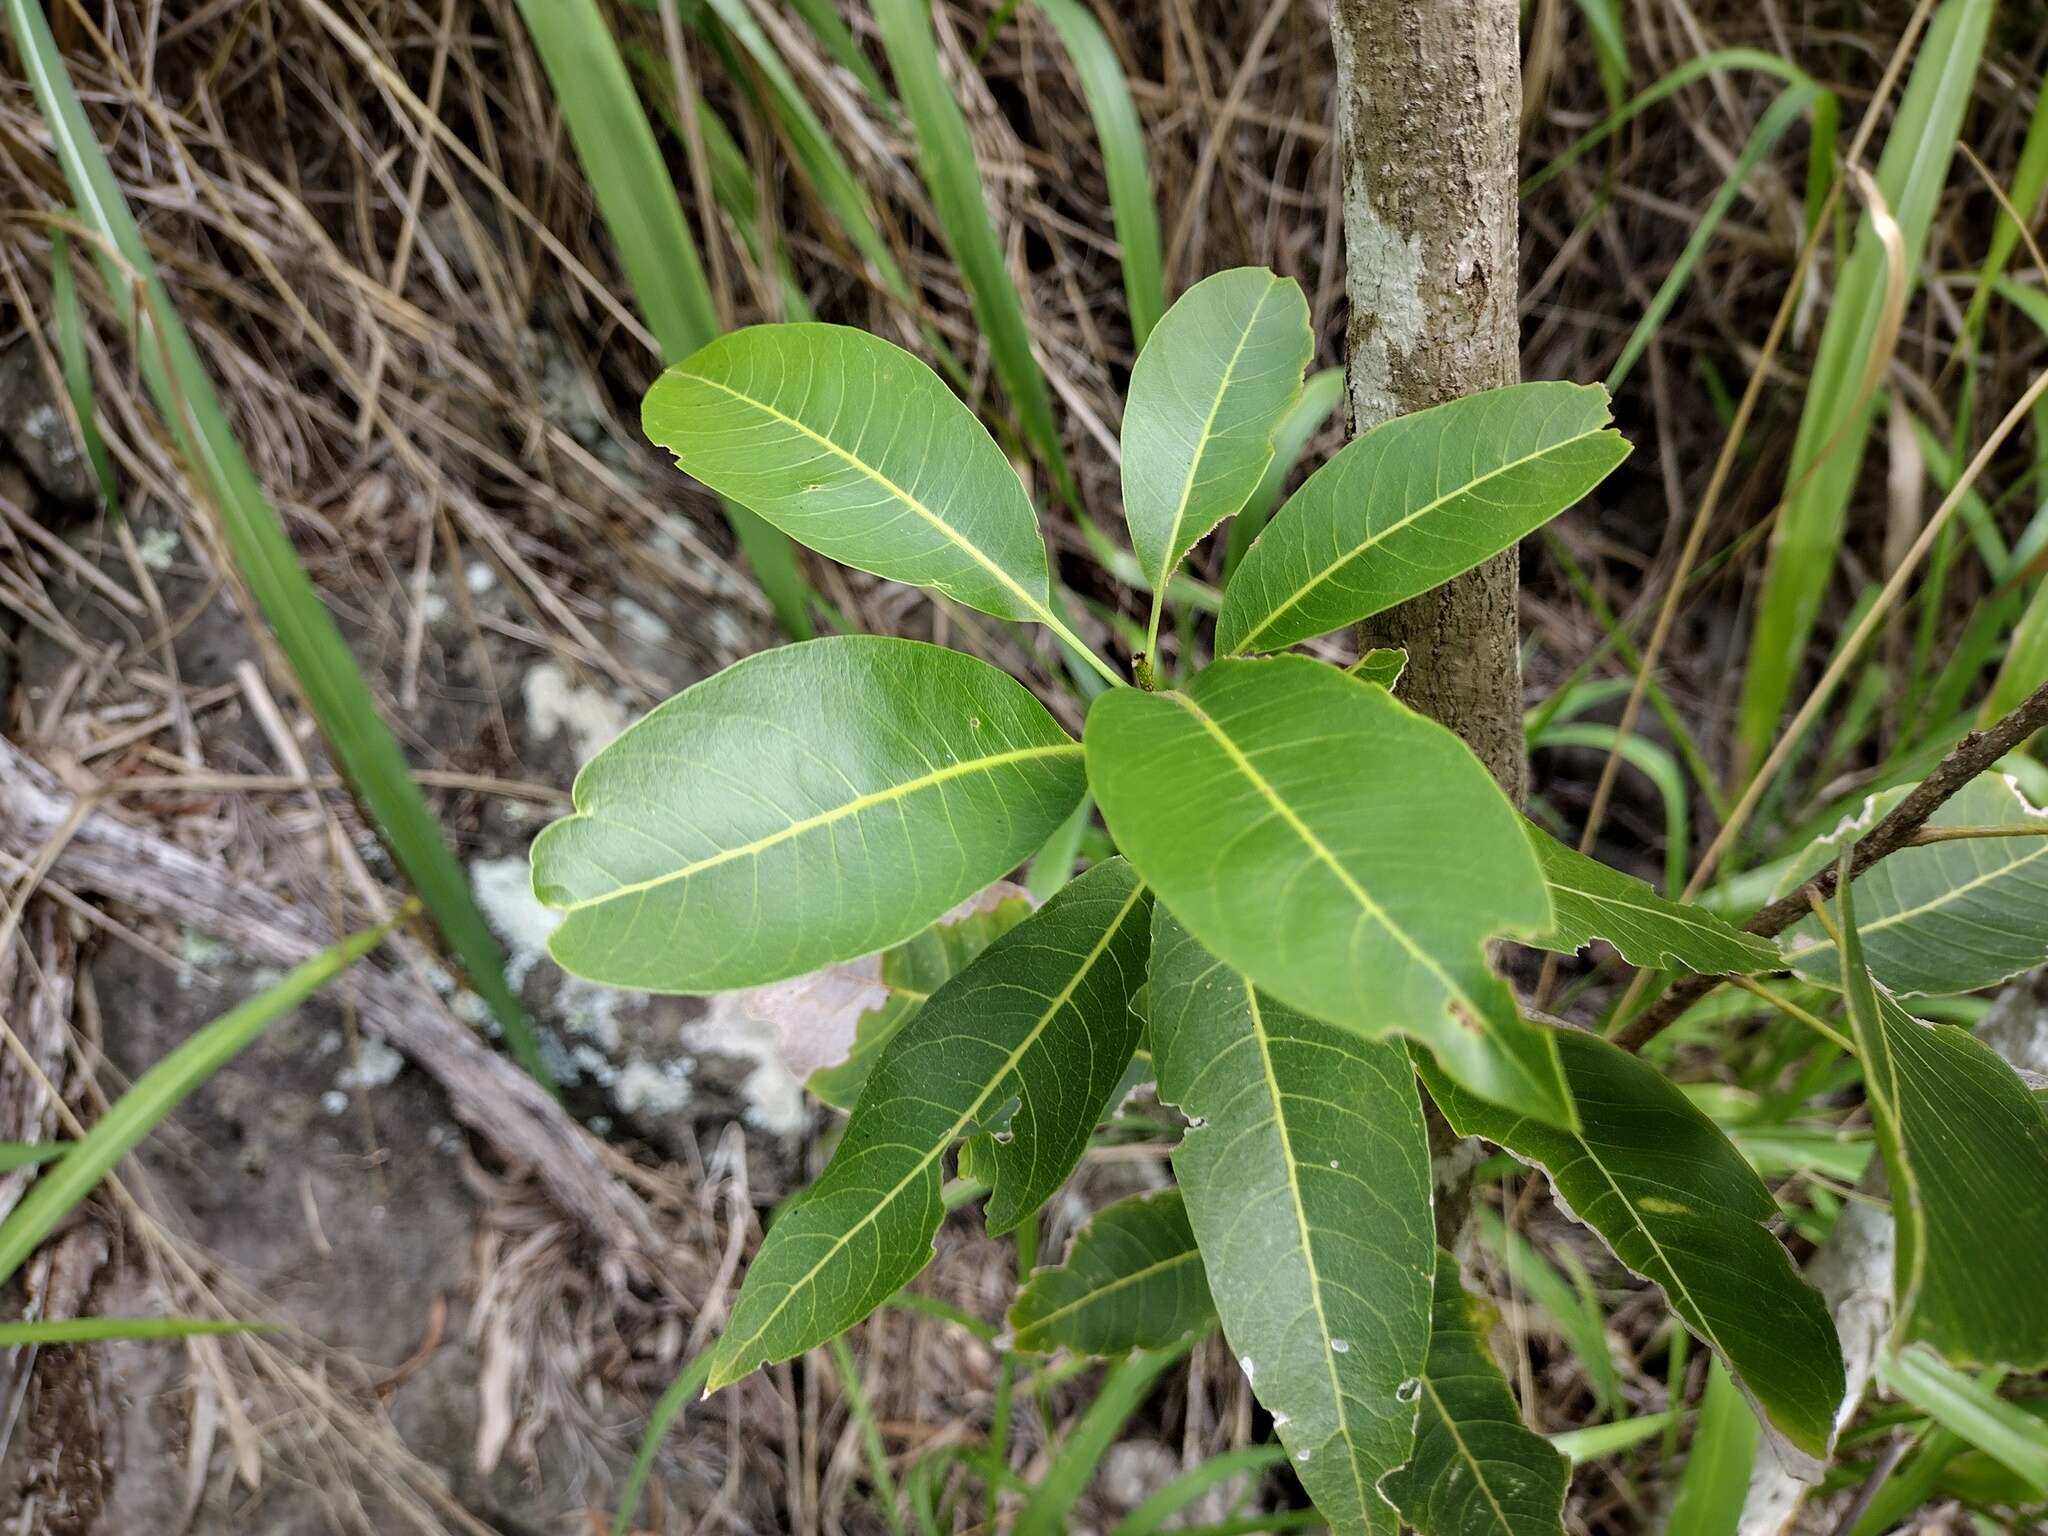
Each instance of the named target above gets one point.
<point>1132,1279</point>
<point>1677,1203</point>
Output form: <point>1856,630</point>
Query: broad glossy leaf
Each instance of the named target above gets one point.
<point>1965,1148</point>
<point>1946,917</point>
<point>804,806</point>
<point>1212,384</point>
<point>849,444</point>
<point>1305,1169</point>
<point>1347,854</point>
<point>1592,901</point>
<point>1679,1206</point>
<point>1029,1042</point>
<point>1414,502</point>
<point>904,979</point>
<point>1132,1279</point>
<point>1477,1470</point>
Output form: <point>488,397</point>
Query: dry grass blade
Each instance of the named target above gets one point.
<point>326,674</point>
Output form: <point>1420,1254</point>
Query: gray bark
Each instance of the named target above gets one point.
<point>1429,100</point>
<point>1428,118</point>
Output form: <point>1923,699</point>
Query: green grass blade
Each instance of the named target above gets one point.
<point>328,679</point>
<point>1122,137</point>
<point>1782,114</point>
<point>1598,1440</point>
<point>1656,765</point>
<point>99,1330</point>
<point>637,197</point>
<point>1972,1409</point>
<point>23,1154</point>
<point>1716,1477</point>
<point>1610,46</point>
<point>1152,1515</point>
<point>70,319</point>
<point>2029,181</point>
<point>1834,423</point>
<point>954,180</point>
<point>824,19</point>
<point>160,1090</point>
<point>1123,1391</point>
<point>688,1383</point>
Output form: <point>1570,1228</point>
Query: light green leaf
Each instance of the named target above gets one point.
<point>852,446</point>
<point>1946,917</point>
<point>1717,1465</point>
<point>1383,664</point>
<point>1347,854</point>
<point>1212,385</point>
<point>1477,1469</point>
<point>27,1154</point>
<point>804,806</point>
<point>1679,1206</point>
<point>1971,1409</point>
<point>1592,901</point>
<point>1306,1173</point>
<point>1414,502</point>
<point>908,975</point>
<point>1132,1279</point>
<point>1965,1148</point>
<point>1028,1042</point>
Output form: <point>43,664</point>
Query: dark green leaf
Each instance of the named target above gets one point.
<point>1414,502</point>
<point>1347,854</point>
<point>1028,1043</point>
<point>1306,1173</point>
<point>1965,1148</point>
<point>1477,1469</point>
<point>804,806</point>
<point>1132,1279</point>
<point>1679,1206</point>
<point>908,975</point>
<point>1594,902</point>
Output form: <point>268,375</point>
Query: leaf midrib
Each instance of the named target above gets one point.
<point>1110,1288</point>
<point>1294,598</point>
<point>1683,914</point>
<point>853,807</point>
<point>1465,1452</point>
<point>1036,605</point>
<point>1320,849</point>
<point>1301,1224</point>
<point>967,1117</point>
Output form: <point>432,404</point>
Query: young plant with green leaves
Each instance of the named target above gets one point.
<point>1308,885</point>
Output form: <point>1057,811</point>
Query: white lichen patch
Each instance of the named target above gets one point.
<point>640,622</point>
<point>158,546</point>
<point>774,1095</point>
<point>376,1064</point>
<point>555,705</point>
<point>1387,268</point>
<point>203,955</point>
<point>648,1088</point>
<point>504,889</point>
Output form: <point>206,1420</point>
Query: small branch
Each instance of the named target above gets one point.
<point>1971,756</point>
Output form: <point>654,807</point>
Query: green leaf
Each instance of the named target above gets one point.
<point>1347,854</point>
<point>1972,1410</point>
<point>1414,502</point>
<point>153,1095</point>
<point>1383,664</point>
<point>1477,1469</point>
<point>1592,902</point>
<point>909,974</point>
<point>1209,390</point>
<point>852,446</point>
<point>804,806</point>
<point>1132,1279</point>
<point>1305,1169</point>
<point>1679,1206</point>
<point>27,1154</point>
<point>1965,1148</point>
<point>1717,1466</point>
<point>1945,917</point>
<point>1029,1043</point>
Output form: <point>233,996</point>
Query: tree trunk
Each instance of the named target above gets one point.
<point>1428,113</point>
<point>1428,107</point>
